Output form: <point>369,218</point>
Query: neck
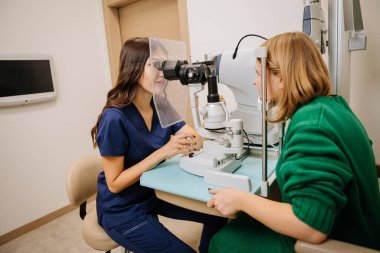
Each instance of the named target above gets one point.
<point>142,99</point>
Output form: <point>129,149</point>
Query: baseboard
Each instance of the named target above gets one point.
<point>35,224</point>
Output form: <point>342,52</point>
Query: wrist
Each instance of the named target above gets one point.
<point>244,199</point>
<point>160,155</point>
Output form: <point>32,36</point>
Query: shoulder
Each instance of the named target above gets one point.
<point>114,117</point>
<point>330,117</point>
<point>113,113</point>
<point>322,110</point>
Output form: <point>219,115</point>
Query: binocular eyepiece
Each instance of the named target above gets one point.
<point>184,72</point>
<point>191,73</point>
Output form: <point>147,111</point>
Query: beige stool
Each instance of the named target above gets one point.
<point>81,184</point>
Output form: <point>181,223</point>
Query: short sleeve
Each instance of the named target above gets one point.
<point>177,126</point>
<point>315,173</point>
<point>112,137</point>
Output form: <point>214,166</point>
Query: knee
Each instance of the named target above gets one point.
<point>215,244</point>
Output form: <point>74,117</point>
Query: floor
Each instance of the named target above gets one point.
<point>64,234</point>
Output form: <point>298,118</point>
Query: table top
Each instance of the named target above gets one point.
<point>169,177</point>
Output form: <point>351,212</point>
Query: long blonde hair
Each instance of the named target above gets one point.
<point>296,58</point>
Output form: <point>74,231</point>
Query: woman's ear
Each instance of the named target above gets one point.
<point>281,83</point>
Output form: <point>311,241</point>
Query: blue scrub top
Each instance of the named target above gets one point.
<point>123,132</point>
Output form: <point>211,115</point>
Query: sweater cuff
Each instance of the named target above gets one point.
<point>314,213</point>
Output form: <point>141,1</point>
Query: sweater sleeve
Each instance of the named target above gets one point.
<point>315,173</point>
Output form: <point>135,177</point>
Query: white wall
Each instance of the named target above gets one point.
<point>365,75</point>
<point>216,26</point>
<point>38,142</point>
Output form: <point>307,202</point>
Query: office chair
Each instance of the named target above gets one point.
<point>334,246</point>
<point>81,185</point>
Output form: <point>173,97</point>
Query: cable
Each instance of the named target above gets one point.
<point>259,139</point>
<point>248,35</point>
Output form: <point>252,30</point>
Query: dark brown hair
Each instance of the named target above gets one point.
<point>133,56</point>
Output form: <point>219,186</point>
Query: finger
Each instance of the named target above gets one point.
<point>187,147</point>
<point>213,191</point>
<point>195,148</point>
<point>181,135</point>
<point>184,152</point>
<point>190,147</point>
<point>183,147</point>
<point>187,141</point>
<point>210,203</point>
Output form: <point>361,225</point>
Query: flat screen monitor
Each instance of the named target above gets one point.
<point>26,79</point>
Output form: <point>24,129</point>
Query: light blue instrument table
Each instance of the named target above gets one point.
<point>170,181</point>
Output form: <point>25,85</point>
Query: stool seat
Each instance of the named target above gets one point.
<point>94,235</point>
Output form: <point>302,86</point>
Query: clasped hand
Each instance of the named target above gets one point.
<point>180,144</point>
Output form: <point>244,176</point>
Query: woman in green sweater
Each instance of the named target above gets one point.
<point>326,172</point>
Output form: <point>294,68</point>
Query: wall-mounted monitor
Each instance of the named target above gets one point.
<point>26,79</point>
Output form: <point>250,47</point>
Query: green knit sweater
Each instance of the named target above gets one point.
<point>327,173</point>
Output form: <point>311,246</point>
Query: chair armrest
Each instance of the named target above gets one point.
<point>330,246</point>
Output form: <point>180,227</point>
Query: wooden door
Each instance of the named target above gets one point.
<point>125,19</point>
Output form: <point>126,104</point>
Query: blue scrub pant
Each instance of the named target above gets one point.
<point>146,234</point>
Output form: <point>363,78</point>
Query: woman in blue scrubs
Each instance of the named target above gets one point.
<point>132,141</point>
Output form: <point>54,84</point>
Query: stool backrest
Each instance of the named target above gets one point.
<point>81,180</point>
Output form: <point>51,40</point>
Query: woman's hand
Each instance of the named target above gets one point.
<point>226,201</point>
<point>186,129</point>
<point>181,143</point>
<point>277,216</point>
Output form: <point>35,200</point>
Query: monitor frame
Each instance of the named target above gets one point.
<point>29,98</point>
